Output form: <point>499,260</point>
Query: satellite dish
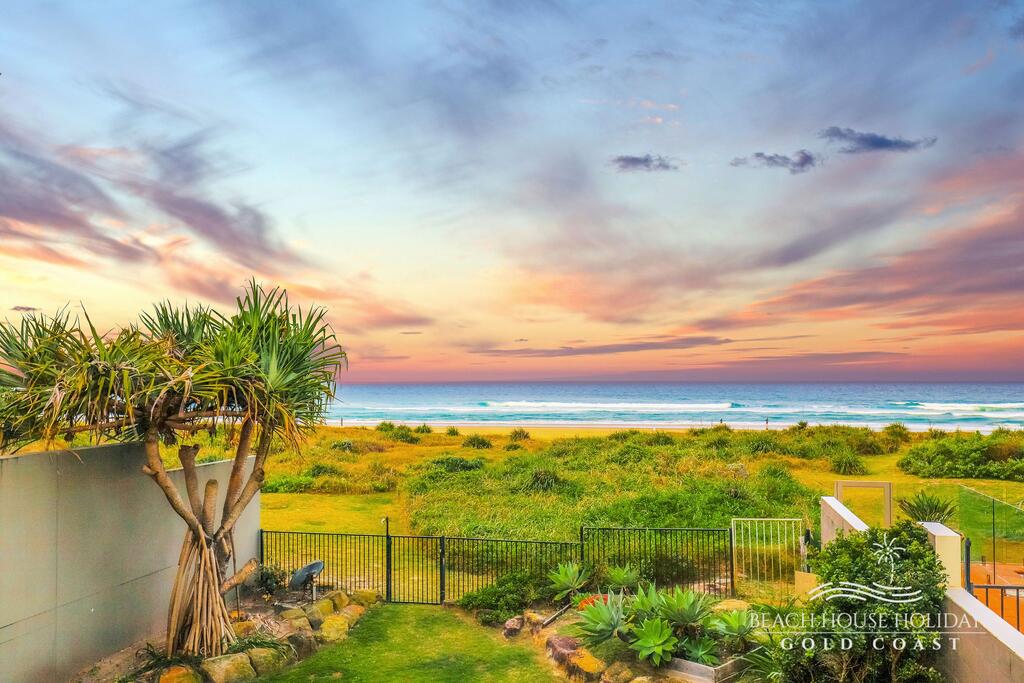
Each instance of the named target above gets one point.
<point>306,575</point>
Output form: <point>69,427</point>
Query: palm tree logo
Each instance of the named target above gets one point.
<point>887,552</point>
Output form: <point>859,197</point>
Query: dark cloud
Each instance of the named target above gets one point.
<point>1017,30</point>
<point>605,349</point>
<point>24,309</point>
<point>647,162</point>
<point>854,142</point>
<point>801,161</point>
<point>660,56</point>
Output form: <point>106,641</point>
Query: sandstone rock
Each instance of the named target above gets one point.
<point>618,672</point>
<point>353,613</point>
<point>281,607</point>
<point>243,628</point>
<point>303,642</point>
<point>561,647</point>
<point>325,605</point>
<point>292,613</point>
<point>267,660</point>
<point>314,615</point>
<point>339,598</point>
<point>583,665</point>
<point>730,605</point>
<point>334,629</point>
<point>228,668</point>
<point>301,623</point>
<point>180,674</point>
<point>513,626</point>
<point>534,620</point>
<point>365,597</point>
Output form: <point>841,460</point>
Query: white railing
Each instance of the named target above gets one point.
<point>767,553</point>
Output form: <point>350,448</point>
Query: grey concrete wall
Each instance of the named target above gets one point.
<point>988,649</point>
<point>88,552</point>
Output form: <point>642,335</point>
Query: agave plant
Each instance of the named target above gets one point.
<point>736,629</point>
<point>654,641</point>
<point>568,579</point>
<point>268,369</point>
<point>924,507</point>
<point>700,649</point>
<point>686,610</point>
<point>603,620</point>
<point>624,577</point>
<point>646,603</point>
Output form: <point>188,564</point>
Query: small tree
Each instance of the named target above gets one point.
<point>268,370</point>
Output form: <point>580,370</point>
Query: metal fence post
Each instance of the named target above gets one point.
<point>387,559</point>
<point>442,562</point>
<point>967,566</point>
<point>732,565</point>
<point>263,558</point>
<point>582,556</point>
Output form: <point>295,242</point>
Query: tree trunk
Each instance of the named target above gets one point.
<point>198,622</point>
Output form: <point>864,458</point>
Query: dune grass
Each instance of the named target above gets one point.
<point>422,643</point>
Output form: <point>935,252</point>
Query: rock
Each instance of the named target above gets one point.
<point>325,605</point>
<point>339,598</point>
<point>353,613</point>
<point>292,613</point>
<point>643,679</point>
<point>314,615</point>
<point>228,668</point>
<point>180,674</point>
<point>535,620</point>
<point>303,642</point>
<point>618,672</point>
<point>267,660</point>
<point>583,665</point>
<point>730,605</point>
<point>365,597</point>
<point>513,626</point>
<point>301,624</point>
<point>244,628</point>
<point>561,647</point>
<point>334,629</point>
<point>281,607</point>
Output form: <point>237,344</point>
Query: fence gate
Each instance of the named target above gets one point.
<point>766,555</point>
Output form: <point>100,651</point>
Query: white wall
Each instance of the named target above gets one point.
<point>88,552</point>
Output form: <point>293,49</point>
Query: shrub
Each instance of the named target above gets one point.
<point>508,596</point>
<point>452,431</point>
<point>476,441</point>
<point>343,445</point>
<point>519,434</point>
<point>967,456</point>
<point>897,431</point>
<point>924,507</point>
<point>287,483</point>
<point>382,477</point>
<point>631,453</point>
<point>456,463</point>
<point>270,579</point>
<point>846,462</point>
<point>385,426</point>
<point>763,442</point>
<point>513,447</point>
<point>659,439</point>
<point>322,469</point>
<point>620,578</point>
<point>567,579</point>
<point>402,433</point>
<point>424,429</point>
<point>654,641</point>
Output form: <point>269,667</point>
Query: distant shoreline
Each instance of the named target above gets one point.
<point>663,426</point>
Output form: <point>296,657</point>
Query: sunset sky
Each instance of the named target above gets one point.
<point>535,190</point>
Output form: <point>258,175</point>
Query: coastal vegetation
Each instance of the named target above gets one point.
<point>999,455</point>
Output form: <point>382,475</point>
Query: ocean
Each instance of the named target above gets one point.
<point>981,407</point>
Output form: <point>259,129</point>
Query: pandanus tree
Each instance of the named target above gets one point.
<point>265,373</point>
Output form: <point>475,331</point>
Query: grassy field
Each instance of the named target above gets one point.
<point>422,643</point>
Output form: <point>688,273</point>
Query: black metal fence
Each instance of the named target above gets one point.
<point>438,569</point>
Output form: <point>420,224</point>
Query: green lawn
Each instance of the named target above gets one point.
<point>423,643</point>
